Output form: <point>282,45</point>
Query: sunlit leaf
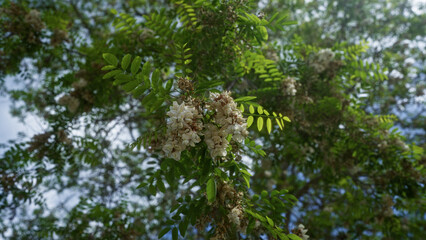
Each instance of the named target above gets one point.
<point>268,125</point>
<point>250,120</point>
<point>259,123</point>
<point>245,99</point>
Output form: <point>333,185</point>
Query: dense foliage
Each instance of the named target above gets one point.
<point>214,120</point>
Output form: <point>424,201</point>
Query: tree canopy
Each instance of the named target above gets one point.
<point>207,119</point>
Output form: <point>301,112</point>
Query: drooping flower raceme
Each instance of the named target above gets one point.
<point>184,126</point>
<point>301,232</point>
<point>289,86</point>
<point>235,214</point>
<point>71,102</point>
<point>227,119</point>
<point>216,141</point>
<point>183,129</point>
<point>325,55</point>
<point>323,59</point>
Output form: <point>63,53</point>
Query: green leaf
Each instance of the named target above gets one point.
<point>146,70</point>
<point>251,109</point>
<point>169,85</point>
<point>294,236</point>
<point>245,99</point>
<point>268,125</point>
<point>163,232</point>
<point>245,172</point>
<point>264,32</point>
<point>270,221</point>
<point>183,226</point>
<point>250,120</point>
<point>211,190</point>
<point>259,123</point>
<point>113,11</point>
<point>111,74</point>
<point>289,23</point>
<point>141,185</point>
<point>135,65</point>
<point>265,112</point>
<point>157,104</point>
<point>122,78</point>
<point>175,233</point>
<point>108,67</point>
<point>247,179</point>
<point>137,92</point>
<point>147,99</point>
<point>282,236</point>
<point>130,85</point>
<point>155,79</point>
<point>111,59</point>
<point>126,61</point>
<point>260,110</point>
<point>242,107</point>
<point>286,119</point>
<point>161,186</point>
<point>279,123</point>
<point>152,189</point>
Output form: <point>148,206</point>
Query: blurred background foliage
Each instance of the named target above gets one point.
<point>355,175</point>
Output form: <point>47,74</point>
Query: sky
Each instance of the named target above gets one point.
<point>10,126</point>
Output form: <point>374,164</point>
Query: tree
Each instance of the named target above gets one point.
<point>393,30</point>
<point>160,112</point>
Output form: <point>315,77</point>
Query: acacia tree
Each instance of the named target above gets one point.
<point>158,113</point>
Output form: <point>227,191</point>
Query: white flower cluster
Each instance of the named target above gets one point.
<point>33,18</point>
<point>302,232</point>
<point>402,144</point>
<point>183,130</point>
<point>79,84</point>
<point>185,126</point>
<point>322,60</point>
<point>289,86</point>
<point>71,102</point>
<point>234,215</point>
<point>216,140</point>
<point>228,119</point>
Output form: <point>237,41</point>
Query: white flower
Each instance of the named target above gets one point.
<point>33,18</point>
<point>234,216</point>
<point>325,55</point>
<point>183,129</point>
<point>257,224</point>
<point>289,86</point>
<point>268,173</point>
<point>303,232</point>
<point>215,139</point>
<point>322,60</point>
<point>229,120</point>
<point>318,67</point>
<point>80,84</point>
<point>71,102</point>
